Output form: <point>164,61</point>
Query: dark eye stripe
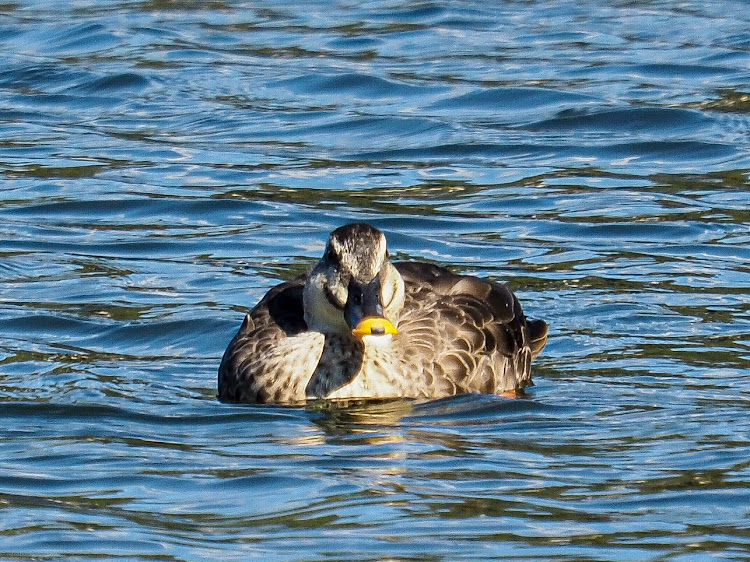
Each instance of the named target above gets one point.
<point>332,257</point>
<point>333,300</point>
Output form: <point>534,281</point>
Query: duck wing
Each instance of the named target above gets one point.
<point>464,334</point>
<point>255,357</point>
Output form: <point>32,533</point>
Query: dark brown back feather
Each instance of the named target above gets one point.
<point>463,333</point>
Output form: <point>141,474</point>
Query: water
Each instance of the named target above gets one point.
<point>164,164</point>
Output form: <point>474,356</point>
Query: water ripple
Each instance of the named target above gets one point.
<point>164,164</point>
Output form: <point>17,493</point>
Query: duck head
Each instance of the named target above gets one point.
<point>354,288</point>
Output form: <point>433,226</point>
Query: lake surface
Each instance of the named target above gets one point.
<point>164,163</point>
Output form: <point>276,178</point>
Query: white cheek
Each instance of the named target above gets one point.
<point>393,295</point>
<point>321,315</point>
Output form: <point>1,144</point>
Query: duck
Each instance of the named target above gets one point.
<point>360,327</point>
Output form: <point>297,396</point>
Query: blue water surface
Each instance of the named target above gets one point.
<point>164,164</point>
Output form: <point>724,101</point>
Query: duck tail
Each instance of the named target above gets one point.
<point>537,330</point>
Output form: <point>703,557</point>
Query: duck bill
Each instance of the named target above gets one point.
<point>364,310</point>
<point>374,326</point>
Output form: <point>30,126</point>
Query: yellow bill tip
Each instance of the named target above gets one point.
<point>374,326</point>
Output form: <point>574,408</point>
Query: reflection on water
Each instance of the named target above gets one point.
<point>165,164</point>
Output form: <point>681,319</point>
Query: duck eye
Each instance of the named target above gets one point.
<point>357,298</point>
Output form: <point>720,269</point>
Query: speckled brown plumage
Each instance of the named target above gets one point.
<point>456,334</point>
